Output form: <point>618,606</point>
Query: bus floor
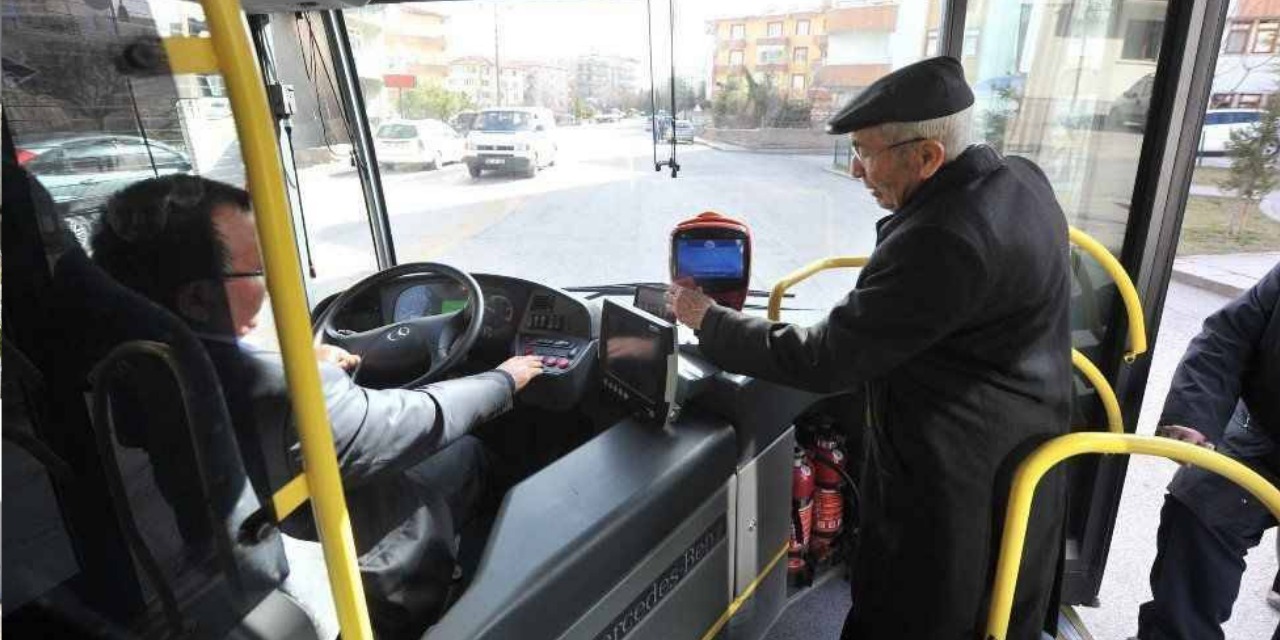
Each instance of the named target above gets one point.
<point>817,612</point>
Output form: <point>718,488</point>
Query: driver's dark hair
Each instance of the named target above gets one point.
<point>158,234</point>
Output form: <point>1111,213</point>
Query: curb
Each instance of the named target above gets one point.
<point>733,148</point>
<point>835,172</point>
<point>1208,284</point>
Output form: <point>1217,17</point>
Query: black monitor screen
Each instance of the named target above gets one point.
<point>708,258</point>
<point>635,350</point>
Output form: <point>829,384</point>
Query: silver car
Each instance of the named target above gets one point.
<point>81,171</point>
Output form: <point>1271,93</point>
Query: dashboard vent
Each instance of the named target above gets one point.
<point>541,302</point>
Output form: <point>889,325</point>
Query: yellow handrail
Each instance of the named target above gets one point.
<point>256,131</point>
<point>1051,453</point>
<point>1129,294</point>
<point>803,273</point>
<point>1115,421</point>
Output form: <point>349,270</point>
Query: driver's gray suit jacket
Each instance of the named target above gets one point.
<point>401,534</point>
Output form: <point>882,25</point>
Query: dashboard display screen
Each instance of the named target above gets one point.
<point>709,258</point>
<point>413,302</point>
<point>635,350</point>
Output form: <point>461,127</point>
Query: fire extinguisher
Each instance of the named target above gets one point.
<point>828,501</point>
<point>802,488</point>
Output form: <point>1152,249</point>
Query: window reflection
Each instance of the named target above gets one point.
<point>1069,87</point>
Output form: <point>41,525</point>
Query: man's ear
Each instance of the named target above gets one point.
<point>932,155</point>
<point>197,302</point>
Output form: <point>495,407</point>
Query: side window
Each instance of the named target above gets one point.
<point>91,157</point>
<point>50,163</point>
<point>132,156</point>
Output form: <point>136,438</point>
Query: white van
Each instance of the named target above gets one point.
<point>519,139</point>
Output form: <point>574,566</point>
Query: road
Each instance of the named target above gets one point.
<point>601,215</point>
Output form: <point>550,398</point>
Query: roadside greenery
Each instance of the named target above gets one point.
<point>1255,166</point>
<point>432,101</point>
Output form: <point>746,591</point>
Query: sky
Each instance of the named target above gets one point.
<point>550,29</point>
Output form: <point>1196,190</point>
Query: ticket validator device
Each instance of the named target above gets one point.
<point>713,252</point>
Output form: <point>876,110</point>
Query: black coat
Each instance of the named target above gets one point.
<point>958,326</point>
<point>1234,360</point>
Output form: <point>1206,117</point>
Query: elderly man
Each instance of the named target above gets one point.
<point>958,329</point>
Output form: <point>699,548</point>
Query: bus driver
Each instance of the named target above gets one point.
<point>412,475</point>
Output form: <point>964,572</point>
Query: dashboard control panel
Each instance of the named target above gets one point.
<point>558,353</point>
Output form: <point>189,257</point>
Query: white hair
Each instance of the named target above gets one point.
<point>952,131</point>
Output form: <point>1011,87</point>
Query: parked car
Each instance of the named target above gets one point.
<point>1129,111</point>
<point>682,132</point>
<point>512,139</point>
<point>81,171</point>
<point>1220,123</point>
<point>427,143</point>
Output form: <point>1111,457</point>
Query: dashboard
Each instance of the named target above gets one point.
<point>520,317</point>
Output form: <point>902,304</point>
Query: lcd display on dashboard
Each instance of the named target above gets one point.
<point>708,258</point>
<point>633,353</point>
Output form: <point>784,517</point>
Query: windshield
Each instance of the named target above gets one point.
<point>754,84</point>
<point>504,121</point>
<point>397,132</point>
<point>754,87</point>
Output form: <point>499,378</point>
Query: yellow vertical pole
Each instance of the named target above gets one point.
<point>256,131</point>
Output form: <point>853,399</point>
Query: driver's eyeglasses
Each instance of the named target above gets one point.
<point>862,156</point>
<point>232,275</point>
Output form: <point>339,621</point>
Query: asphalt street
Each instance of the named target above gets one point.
<point>600,215</point>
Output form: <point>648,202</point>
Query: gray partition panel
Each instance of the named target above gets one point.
<point>568,535</point>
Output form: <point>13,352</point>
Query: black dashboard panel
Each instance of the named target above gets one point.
<point>520,318</point>
<point>512,306</point>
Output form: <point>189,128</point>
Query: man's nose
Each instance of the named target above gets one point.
<point>857,169</point>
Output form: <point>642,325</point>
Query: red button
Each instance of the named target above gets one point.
<point>563,363</point>
<point>528,351</point>
<point>549,361</point>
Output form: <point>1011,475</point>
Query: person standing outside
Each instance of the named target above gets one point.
<point>1225,395</point>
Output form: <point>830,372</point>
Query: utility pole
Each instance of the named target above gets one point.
<point>497,63</point>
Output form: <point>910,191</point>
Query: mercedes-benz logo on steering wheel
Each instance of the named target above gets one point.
<point>400,332</point>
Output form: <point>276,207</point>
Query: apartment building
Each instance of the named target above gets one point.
<point>604,81</point>
<point>785,49</point>
<point>475,76</point>
<point>416,43</point>
<point>1249,62</point>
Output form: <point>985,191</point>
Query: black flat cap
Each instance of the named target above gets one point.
<point>925,90</point>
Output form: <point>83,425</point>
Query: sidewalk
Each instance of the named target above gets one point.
<point>1228,275</point>
<point>1270,205</point>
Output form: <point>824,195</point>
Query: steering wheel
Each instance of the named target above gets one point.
<point>434,345</point>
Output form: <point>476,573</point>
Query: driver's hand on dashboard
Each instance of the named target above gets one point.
<point>337,355</point>
<point>522,369</point>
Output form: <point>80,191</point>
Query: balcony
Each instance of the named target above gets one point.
<point>871,18</point>
<point>850,75</point>
<point>782,40</point>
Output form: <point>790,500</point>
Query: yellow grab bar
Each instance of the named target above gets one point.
<point>1129,294</point>
<point>803,273</point>
<point>256,131</point>
<point>1115,421</point>
<point>1049,454</point>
